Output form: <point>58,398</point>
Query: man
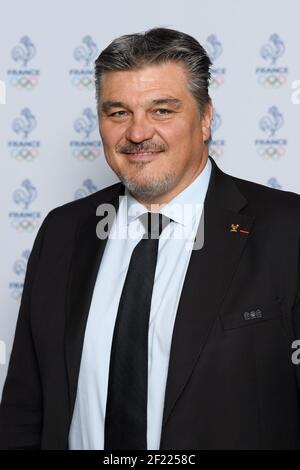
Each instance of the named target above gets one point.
<point>209,365</point>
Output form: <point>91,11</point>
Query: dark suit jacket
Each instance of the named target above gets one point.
<point>231,381</point>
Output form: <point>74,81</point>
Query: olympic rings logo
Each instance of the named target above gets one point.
<point>25,154</point>
<point>272,80</point>
<point>24,82</point>
<point>84,83</point>
<point>25,225</point>
<point>273,152</point>
<point>86,154</point>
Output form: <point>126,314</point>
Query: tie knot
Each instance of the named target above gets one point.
<point>154,223</point>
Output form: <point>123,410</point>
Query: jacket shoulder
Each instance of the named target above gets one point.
<point>270,201</point>
<point>253,190</point>
<point>84,206</point>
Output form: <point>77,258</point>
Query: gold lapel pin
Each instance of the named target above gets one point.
<point>235,228</point>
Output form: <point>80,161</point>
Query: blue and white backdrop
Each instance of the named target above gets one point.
<point>50,148</point>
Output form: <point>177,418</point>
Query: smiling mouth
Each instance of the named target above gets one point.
<point>143,154</point>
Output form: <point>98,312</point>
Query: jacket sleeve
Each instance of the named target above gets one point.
<point>21,405</point>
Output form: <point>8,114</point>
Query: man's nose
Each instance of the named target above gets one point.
<point>139,129</point>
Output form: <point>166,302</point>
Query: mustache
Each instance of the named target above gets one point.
<point>139,148</point>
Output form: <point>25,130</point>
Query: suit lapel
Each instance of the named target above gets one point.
<point>86,258</point>
<point>207,279</point>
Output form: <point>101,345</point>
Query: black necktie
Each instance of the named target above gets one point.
<point>126,406</point>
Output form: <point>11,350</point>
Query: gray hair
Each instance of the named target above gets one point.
<point>153,47</point>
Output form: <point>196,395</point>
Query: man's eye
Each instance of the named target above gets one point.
<point>159,112</point>
<point>118,114</point>
<point>162,111</point>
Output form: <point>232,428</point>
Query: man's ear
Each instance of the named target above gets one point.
<point>206,120</point>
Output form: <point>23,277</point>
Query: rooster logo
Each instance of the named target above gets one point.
<point>272,50</point>
<point>21,264</point>
<point>271,122</point>
<point>213,47</point>
<point>25,124</point>
<point>89,188</point>
<point>24,52</point>
<point>87,124</point>
<point>25,195</point>
<point>87,52</point>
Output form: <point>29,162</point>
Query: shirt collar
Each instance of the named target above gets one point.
<point>183,207</point>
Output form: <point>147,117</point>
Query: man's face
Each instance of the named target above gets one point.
<point>152,134</point>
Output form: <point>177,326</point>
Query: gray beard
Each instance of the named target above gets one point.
<point>150,189</point>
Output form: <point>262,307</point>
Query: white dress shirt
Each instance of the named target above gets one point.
<point>174,251</point>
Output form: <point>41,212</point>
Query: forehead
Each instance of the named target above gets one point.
<point>168,78</point>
